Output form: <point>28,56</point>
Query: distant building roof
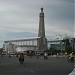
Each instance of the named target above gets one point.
<point>54,41</point>
<point>22,39</point>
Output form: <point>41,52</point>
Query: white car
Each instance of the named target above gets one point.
<point>73,72</point>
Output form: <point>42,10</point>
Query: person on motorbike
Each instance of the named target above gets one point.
<point>45,56</point>
<point>71,57</point>
<point>21,58</point>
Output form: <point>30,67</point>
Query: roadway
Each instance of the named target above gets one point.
<point>33,66</point>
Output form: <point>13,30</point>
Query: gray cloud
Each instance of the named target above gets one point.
<point>23,16</point>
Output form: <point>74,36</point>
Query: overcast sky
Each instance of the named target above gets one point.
<point>20,18</point>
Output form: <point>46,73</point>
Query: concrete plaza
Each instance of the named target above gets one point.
<point>33,66</point>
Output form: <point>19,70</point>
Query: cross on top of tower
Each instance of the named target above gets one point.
<point>42,10</point>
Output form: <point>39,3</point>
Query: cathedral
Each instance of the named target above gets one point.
<point>38,43</point>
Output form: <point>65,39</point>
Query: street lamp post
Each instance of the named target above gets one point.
<point>61,43</point>
<point>61,47</point>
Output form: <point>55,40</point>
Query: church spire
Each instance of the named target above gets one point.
<point>42,42</point>
<point>41,24</point>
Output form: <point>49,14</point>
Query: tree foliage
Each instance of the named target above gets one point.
<point>68,47</point>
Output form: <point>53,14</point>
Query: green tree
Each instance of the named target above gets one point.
<point>68,47</point>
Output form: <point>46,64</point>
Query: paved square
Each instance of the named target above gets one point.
<point>33,66</point>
